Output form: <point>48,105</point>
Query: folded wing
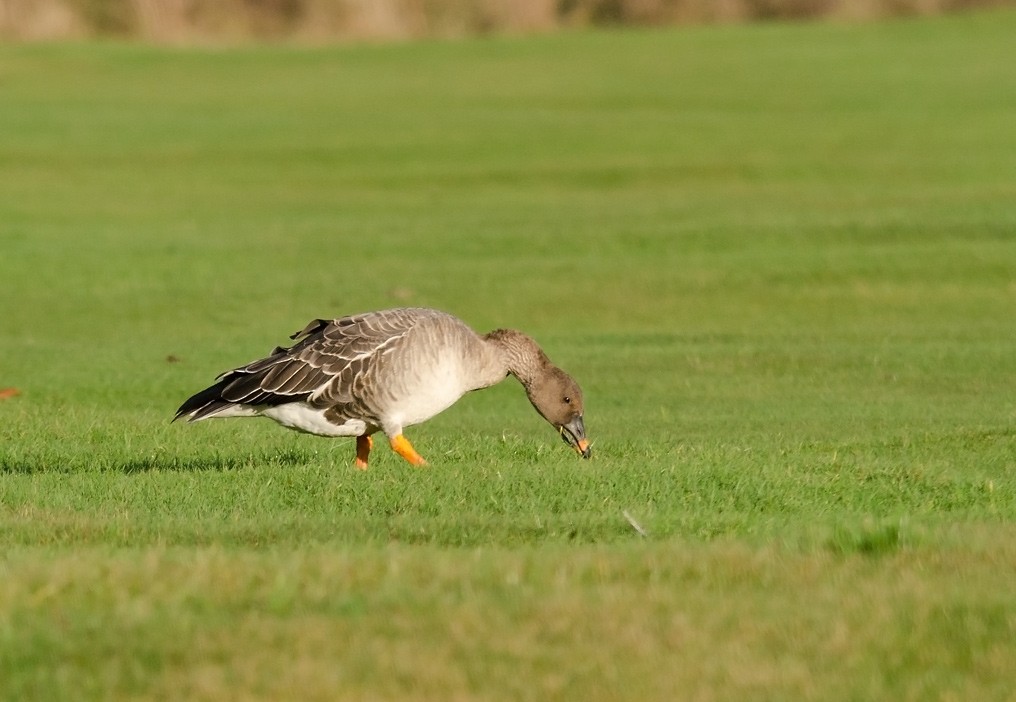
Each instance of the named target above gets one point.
<point>328,365</point>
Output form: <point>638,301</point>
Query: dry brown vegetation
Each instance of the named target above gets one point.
<point>320,21</point>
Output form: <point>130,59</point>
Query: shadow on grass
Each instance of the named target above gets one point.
<point>217,463</point>
<point>868,540</point>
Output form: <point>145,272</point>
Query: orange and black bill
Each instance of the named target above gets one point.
<point>574,434</point>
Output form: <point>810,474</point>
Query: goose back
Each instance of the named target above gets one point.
<point>384,369</point>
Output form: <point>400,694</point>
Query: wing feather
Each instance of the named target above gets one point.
<point>328,364</point>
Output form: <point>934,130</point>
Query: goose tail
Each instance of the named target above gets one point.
<point>205,404</point>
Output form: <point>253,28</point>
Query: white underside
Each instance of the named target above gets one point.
<point>299,416</point>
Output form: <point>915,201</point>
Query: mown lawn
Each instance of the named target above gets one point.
<point>781,260</point>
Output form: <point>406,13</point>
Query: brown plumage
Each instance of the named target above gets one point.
<point>384,371</point>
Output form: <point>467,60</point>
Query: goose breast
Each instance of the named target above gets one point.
<point>434,364</point>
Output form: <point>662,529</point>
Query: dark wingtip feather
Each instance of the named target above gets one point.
<point>205,403</point>
<point>243,386</point>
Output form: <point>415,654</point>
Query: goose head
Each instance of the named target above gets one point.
<point>558,399</point>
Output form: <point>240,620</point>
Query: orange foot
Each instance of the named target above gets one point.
<point>363,446</point>
<point>401,446</point>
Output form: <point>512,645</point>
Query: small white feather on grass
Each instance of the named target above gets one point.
<point>635,525</point>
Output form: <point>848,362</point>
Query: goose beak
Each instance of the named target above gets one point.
<point>574,434</point>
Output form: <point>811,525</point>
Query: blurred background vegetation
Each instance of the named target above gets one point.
<point>325,21</point>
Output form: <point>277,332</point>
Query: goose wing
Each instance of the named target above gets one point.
<point>328,363</point>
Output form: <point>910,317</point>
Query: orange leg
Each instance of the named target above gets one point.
<point>401,446</point>
<point>363,446</point>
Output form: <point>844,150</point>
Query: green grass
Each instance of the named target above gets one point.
<point>781,260</point>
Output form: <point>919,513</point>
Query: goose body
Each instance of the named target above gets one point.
<point>384,371</point>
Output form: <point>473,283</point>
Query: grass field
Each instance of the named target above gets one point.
<point>780,259</point>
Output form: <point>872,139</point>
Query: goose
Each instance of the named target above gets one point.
<point>385,371</point>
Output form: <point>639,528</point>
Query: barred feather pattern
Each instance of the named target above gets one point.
<point>387,369</point>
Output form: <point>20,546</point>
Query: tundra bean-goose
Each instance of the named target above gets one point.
<point>385,371</point>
